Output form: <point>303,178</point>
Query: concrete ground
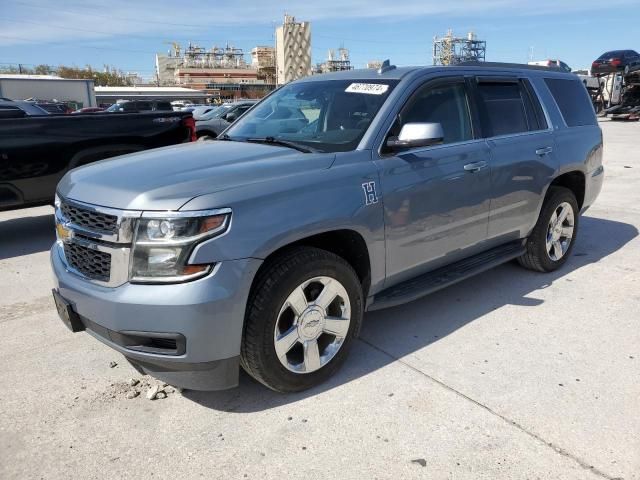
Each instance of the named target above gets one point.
<point>511,374</point>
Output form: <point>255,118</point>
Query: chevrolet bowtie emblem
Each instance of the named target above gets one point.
<point>65,234</point>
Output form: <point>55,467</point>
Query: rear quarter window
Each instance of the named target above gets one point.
<point>573,101</point>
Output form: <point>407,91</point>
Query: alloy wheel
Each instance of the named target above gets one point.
<point>312,324</point>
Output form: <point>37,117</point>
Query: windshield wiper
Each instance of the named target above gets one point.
<point>282,143</point>
<point>225,137</point>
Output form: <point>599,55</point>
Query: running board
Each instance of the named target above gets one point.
<point>443,277</point>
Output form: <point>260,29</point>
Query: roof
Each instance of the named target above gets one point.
<point>151,92</point>
<point>19,76</point>
<point>147,89</point>
<point>400,72</point>
<point>365,74</point>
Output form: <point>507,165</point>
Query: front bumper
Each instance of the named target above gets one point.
<point>207,314</point>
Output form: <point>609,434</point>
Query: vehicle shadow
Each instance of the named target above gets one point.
<point>26,235</point>
<point>418,324</point>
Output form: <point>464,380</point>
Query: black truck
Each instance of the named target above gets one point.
<point>36,151</point>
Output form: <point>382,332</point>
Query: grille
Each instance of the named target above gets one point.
<point>93,221</point>
<point>91,263</point>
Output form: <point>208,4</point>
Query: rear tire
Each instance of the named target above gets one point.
<point>552,239</point>
<point>303,313</point>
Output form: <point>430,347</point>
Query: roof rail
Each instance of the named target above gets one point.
<point>385,67</point>
<point>507,65</point>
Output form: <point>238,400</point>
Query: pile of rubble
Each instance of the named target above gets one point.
<point>154,391</point>
<point>145,386</point>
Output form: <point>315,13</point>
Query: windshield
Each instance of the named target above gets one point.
<point>329,116</point>
<point>117,107</point>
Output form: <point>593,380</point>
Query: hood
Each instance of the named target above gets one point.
<point>167,178</point>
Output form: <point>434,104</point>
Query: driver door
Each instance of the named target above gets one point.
<point>436,198</point>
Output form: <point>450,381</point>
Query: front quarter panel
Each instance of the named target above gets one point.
<point>275,213</point>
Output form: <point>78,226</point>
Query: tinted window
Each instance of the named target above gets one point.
<point>143,106</point>
<point>573,101</point>
<point>447,105</point>
<point>165,106</point>
<point>11,112</point>
<point>535,114</point>
<point>613,53</point>
<point>504,108</point>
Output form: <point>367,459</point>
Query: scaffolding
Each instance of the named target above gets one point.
<point>195,56</point>
<point>335,62</point>
<point>451,50</point>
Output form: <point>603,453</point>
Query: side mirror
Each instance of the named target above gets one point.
<point>417,135</point>
<point>231,117</point>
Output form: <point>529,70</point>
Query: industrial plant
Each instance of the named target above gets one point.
<point>450,50</point>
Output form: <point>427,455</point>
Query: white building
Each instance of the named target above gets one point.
<point>48,87</point>
<point>108,95</point>
<point>262,57</point>
<point>293,50</point>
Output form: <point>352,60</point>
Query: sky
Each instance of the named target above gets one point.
<point>127,33</point>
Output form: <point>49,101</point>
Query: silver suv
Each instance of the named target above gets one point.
<point>336,195</point>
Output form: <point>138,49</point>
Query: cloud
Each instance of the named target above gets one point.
<point>40,22</point>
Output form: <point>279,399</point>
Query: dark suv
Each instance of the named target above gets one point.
<point>615,61</point>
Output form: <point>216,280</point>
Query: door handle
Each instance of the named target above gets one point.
<point>475,166</point>
<point>544,151</point>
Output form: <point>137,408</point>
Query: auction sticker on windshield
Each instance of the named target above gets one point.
<point>369,88</point>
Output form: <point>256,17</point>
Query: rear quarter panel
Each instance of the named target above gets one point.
<point>575,148</point>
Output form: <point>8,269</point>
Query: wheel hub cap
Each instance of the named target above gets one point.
<point>311,323</point>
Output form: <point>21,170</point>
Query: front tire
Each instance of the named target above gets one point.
<point>552,239</point>
<point>304,311</point>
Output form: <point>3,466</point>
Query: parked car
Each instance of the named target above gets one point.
<point>19,108</point>
<point>140,106</point>
<point>89,110</point>
<point>264,248</point>
<point>54,107</point>
<point>552,63</point>
<point>214,125</point>
<point>36,151</point>
<point>203,112</point>
<point>615,61</point>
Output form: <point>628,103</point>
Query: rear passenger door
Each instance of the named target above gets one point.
<point>522,153</point>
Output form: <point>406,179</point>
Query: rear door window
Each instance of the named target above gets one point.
<point>573,101</point>
<point>504,107</point>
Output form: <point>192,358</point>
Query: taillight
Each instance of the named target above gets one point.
<point>190,123</point>
<point>616,62</point>
<point>594,64</point>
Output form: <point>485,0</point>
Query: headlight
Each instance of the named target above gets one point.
<point>164,242</point>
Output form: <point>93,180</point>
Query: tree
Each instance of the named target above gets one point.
<point>109,77</point>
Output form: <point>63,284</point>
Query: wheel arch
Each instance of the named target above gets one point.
<point>575,181</point>
<point>346,243</point>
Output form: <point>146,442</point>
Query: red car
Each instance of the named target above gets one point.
<point>615,61</point>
